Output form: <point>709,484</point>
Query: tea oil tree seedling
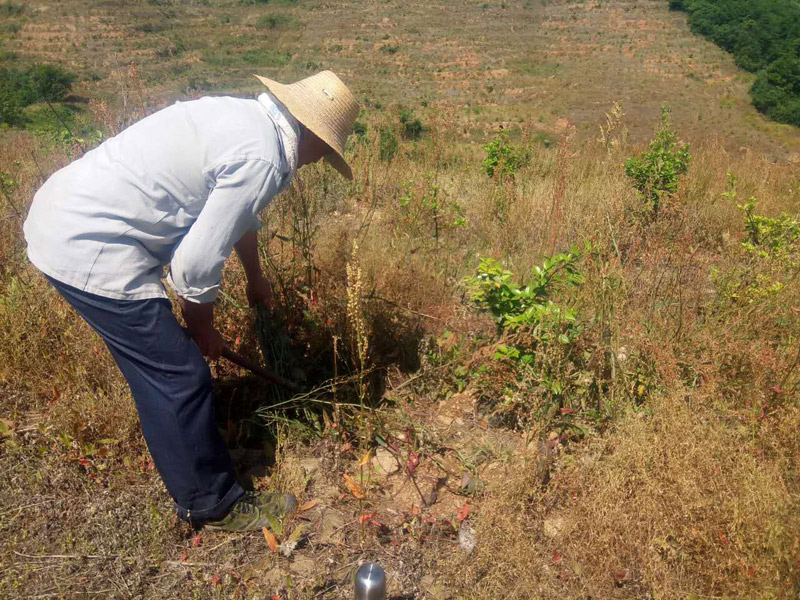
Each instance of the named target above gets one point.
<point>515,306</point>
<point>502,157</point>
<point>655,173</point>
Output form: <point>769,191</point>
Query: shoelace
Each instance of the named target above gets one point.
<point>248,503</point>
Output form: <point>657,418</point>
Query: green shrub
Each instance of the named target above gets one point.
<point>772,253</point>
<point>411,126</point>
<point>502,157</point>
<point>50,83</point>
<point>39,83</point>
<point>11,9</point>
<point>275,22</point>
<point>360,130</point>
<point>387,143</point>
<point>10,109</point>
<point>536,372</point>
<point>769,236</point>
<point>655,173</point>
<point>529,305</point>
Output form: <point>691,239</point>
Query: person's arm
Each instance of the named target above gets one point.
<point>258,288</point>
<point>200,323</point>
<point>240,191</point>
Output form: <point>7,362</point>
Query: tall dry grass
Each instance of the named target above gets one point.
<point>691,488</point>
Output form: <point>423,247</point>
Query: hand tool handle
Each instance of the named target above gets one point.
<point>258,370</point>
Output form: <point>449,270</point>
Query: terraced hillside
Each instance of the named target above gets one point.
<point>497,63</point>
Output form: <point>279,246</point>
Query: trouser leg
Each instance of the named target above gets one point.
<point>171,385</point>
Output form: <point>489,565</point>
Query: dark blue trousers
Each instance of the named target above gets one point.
<point>171,385</point>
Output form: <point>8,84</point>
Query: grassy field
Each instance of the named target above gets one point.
<point>647,449</point>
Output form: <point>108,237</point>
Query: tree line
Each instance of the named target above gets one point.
<point>764,38</point>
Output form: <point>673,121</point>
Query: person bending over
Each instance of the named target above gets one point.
<point>183,187</point>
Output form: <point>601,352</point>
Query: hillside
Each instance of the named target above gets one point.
<point>494,63</point>
<point>548,336</point>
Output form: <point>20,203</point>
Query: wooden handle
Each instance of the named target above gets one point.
<point>259,370</point>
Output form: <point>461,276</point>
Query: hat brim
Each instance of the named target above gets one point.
<point>336,157</point>
<point>340,164</point>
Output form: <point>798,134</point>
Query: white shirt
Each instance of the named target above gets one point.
<point>181,186</point>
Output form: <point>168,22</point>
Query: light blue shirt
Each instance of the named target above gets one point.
<point>181,186</point>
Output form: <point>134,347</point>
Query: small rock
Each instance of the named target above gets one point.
<point>310,465</point>
<point>434,589</point>
<point>553,527</point>
<point>466,538</point>
<point>304,566</point>
<point>273,579</point>
<point>331,529</point>
<point>384,461</point>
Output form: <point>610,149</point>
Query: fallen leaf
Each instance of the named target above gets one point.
<point>216,580</point>
<point>196,541</point>
<point>353,486</point>
<point>621,575</point>
<point>556,556</point>
<point>723,539</point>
<point>271,541</point>
<point>365,459</point>
<point>367,517</point>
<point>309,505</point>
<point>6,428</point>
<point>463,512</point>
<point>346,447</point>
<point>567,411</point>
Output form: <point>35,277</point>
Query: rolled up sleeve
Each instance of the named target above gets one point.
<point>241,190</point>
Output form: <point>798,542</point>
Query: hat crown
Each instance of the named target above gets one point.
<point>323,104</point>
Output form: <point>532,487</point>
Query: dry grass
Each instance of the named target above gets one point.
<point>684,483</point>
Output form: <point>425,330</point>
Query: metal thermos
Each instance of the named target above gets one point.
<point>370,582</point>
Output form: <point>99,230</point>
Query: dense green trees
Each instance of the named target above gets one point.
<point>21,88</point>
<point>764,37</point>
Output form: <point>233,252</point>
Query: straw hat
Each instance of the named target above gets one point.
<point>325,106</point>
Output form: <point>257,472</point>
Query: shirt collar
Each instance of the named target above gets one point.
<point>288,129</point>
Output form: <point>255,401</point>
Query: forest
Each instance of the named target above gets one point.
<point>764,38</point>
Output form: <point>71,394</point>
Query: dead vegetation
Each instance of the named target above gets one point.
<point>653,456</point>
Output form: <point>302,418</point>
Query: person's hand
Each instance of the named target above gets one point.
<point>259,291</point>
<point>210,342</point>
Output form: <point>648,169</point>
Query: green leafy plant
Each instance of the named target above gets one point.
<point>21,88</point>
<point>502,157</point>
<point>655,173</point>
<point>412,128</point>
<point>529,305</point>
<point>772,252</point>
<point>387,141</point>
<point>769,236</point>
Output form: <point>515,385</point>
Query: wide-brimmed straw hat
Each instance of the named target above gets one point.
<point>324,105</point>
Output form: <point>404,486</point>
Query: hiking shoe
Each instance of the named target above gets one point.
<point>255,510</point>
